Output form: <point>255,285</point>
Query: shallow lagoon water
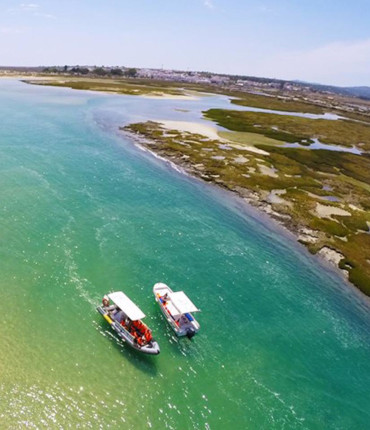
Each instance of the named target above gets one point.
<point>317,145</point>
<point>327,115</point>
<point>284,341</point>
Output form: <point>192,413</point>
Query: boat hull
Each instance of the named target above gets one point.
<point>152,348</point>
<point>190,329</point>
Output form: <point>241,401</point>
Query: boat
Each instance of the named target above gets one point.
<point>125,318</point>
<point>177,308</point>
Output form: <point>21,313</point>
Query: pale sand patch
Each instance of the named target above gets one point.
<point>43,79</point>
<point>249,148</point>
<point>192,127</point>
<point>355,208</point>
<point>165,134</point>
<point>241,160</point>
<point>307,235</point>
<point>324,211</point>
<point>208,131</point>
<point>165,96</point>
<point>274,198</point>
<point>17,76</point>
<point>330,255</point>
<point>269,171</point>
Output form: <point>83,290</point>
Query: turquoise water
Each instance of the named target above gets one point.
<point>284,342</point>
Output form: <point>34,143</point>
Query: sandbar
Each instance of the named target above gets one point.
<point>192,127</point>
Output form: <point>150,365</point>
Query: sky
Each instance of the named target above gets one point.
<point>324,41</point>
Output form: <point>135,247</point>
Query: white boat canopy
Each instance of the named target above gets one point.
<point>182,303</point>
<point>124,303</point>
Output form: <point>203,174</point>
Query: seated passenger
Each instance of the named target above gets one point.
<point>183,320</point>
<point>128,323</point>
<point>148,335</point>
<point>141,340</point>
<point>120,316</point>
<point>112,309</point>
<point>164,299</point>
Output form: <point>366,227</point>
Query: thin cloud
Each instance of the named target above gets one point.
<point>209,4</point>
<point>29,6</point>
<point>32,9</point>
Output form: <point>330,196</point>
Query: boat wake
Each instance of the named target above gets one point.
<point>80,284</point>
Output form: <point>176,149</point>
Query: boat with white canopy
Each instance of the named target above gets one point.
<point>178,309</point>
<point>125,319</point>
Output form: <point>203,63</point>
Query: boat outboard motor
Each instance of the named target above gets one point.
<point>190,332</point>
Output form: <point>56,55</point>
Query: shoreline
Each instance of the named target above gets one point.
<point>322,197</point>
<point>279,184</point>
<point>249,200</point>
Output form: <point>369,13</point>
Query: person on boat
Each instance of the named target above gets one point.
<point>128,323</point>
<point>120,316</point>
<point>107,305</point>
<point>138,338</point>
<point>141,340</point>
<point>163,299</point>
<point>112,309</point>
<point>148,335</point>
<point>133,331</point>
<point>183,320</point>
<point>138,325</point>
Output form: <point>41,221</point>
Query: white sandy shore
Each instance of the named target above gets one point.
<point>193,127</point>
<point>207,131</point>
<point>333,257</point>
<point>249,148</point>
<point>164,96</point>
<point>16,76</point>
